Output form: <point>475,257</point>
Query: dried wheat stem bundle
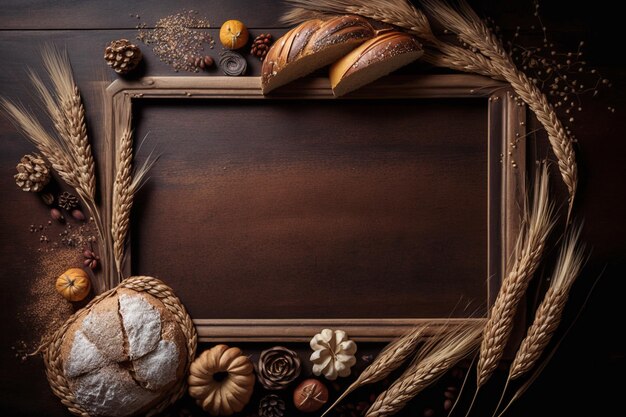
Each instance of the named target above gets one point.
<point>473,31</point>
<point>435,358</point>
<point>486,56</point>
<point>528,252</point>
<point>127,183</point>
<point>68,150</point>
<point>399,13</point>
<point>548,315</point>
<point>122,194</point>
<point>389,359</point>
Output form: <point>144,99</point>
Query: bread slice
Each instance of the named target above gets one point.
<point>310,46</point>
<point>373,59</point>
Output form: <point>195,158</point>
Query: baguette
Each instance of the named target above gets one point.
<point>373,59</point>
<point>310,46</point>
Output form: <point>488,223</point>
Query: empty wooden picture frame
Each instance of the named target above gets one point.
<point>505,181</point>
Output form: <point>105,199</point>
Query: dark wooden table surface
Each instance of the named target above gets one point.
<point>586,377</point>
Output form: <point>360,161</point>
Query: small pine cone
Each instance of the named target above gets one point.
<point>271,406</point>
<point>33,173</point>
<point>261,45</point>
<point>122,56</point>
<point>68,201</point>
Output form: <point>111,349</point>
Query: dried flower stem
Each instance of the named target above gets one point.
<point>435,358</point>
<point>548,315</point>
<point>390,359</point>
<point>529,250</point>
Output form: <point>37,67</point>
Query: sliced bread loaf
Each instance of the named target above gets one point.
<point>373,59</point>
<point>310,46</point>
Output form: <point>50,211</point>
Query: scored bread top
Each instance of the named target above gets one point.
<point>380,48</point>
<point>372,60</point>
<point>311,37</point>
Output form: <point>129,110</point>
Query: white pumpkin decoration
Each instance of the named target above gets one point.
<point>333,354</point>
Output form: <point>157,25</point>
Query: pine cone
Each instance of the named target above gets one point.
<point>261,45</point>
<point>68,201</point>
<point>122,56</point>
<point>278,367</point>
<point>32,173</point>
<point>271,406</point>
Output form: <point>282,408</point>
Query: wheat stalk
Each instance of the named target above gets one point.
<point>127,183</point>
<point>68,150</point>
<point>69,117</point>
<point>528,252</point>
<point>387,361</point>
<point>398,13</point>
<point>472,30</point>
<point>435,358</point>
<point>548,315</point>
<point>487,57</point>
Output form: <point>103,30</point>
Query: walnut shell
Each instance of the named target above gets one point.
<point>221,380</point>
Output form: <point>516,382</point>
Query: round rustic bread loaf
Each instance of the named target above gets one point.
<point>124,355</point>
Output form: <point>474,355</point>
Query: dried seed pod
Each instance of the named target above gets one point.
<point>78,215</point>
<point>47,198</point>
<point>56,215</point>
<point>232,63</point>
<point>203,62</point>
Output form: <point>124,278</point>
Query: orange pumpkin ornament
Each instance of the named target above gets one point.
<point>233,34</point>
<point>73,284</point>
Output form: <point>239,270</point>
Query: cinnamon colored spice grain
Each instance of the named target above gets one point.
<point>45,309</point>
<point>58,247</point>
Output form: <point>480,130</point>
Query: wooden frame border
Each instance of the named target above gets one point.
<point>506,179</point>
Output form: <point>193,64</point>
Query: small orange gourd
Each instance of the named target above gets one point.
<point>73,284</point>
<point>233,34</point>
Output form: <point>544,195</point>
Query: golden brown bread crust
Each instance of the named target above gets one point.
<point>311,37</point>
<point>381,49</point>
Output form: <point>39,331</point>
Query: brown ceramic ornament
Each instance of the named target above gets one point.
<point>310,396</point>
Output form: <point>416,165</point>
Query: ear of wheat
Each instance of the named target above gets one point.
<point>472,30</point>
<point>127,183</point>
<point>68,149</point>
<point>529,250</point>
<point>487,57</point>
<point>389,359</point>
<point>435,358</point>
<point>549,312</point>
<point>398,13</point>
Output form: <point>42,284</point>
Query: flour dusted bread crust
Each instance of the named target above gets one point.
<point>123,355</point>
<point>373,59</point>
<point>312,45</point>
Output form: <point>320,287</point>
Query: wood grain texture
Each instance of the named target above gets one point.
<point>233,118</point>
<point>571,385</point>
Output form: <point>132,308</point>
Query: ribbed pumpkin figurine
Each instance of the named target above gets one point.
<point>233,34</point>
<point>73,284</point>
